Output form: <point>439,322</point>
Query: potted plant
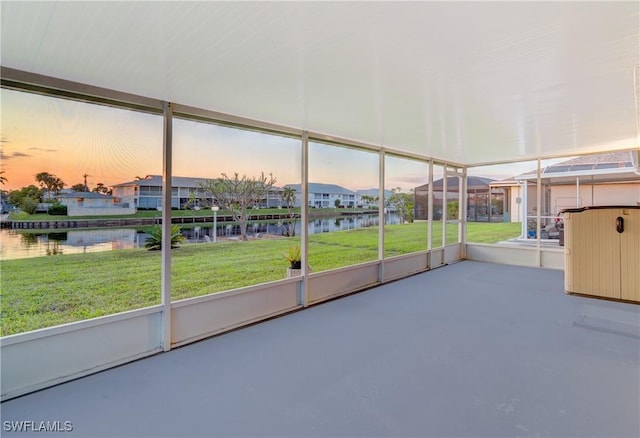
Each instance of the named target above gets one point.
<point>294,258</point>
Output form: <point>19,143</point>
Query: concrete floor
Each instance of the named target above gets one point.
<point>472,349</point>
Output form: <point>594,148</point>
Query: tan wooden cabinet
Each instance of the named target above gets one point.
<point>602,251</point>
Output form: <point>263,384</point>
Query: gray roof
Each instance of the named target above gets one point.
<point>156,181</point>
<point>176,181</point>
<point>333,189</point>
<point>609,157</point>
<point>373,192</point>
<point>472,182</point>
<point>93,195</point>
<point>608,160</point>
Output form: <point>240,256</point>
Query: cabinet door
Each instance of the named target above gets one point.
<point>630,255</point>
<point>594,253</point>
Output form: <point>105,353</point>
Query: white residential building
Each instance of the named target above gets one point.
<point>94,204</point>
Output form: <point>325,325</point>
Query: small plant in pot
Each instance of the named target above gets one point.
<point>294,257</point>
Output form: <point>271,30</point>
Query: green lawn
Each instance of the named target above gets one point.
<point>45,291</point>
<point>480,232</point>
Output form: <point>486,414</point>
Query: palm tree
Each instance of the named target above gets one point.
<point>50,182</point>
<point>154,241</point>
<point>58,185</point>
<point>289,198</point>
<point>3,179</point>
<point>46,181</point>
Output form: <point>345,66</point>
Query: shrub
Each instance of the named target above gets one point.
<point>57,209</point>
<point>452,209</point>
<point>154,241</point>
<point>29,205</point>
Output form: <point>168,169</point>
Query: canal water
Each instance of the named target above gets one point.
<point>20,244</point>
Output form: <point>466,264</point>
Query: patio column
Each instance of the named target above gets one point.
<point>430,208</point>
<point>304,225</point>
<point>166,226</point>
<point>462,227</point>
<point>381,216</point>
<point>523,207</point>
<point>538,218</point>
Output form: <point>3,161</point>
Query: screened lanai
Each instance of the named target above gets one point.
<point>589,180</point>
<point>375,99</point>
<point>484,203</point>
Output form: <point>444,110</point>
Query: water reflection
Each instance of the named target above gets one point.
<point>19,244</point>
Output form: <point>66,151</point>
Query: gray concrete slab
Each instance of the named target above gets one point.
<point>472,349</point>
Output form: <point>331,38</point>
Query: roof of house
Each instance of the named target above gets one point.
<point>333,189</point>
<point>601,162</point>
<point>619,157</point>
<point>610,160</point>
<point>92,195</point>
<point>176,181</point>
<point>472,182</point>
<point>373,192</point>
<point>156,181</point>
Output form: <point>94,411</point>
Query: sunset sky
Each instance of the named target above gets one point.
<point>69,139</point>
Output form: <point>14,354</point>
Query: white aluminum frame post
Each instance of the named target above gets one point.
<point>304,226</point>
<point>381,214</point>
<point>166,226</point>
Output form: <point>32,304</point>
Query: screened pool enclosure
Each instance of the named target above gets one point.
<point>453,113</point>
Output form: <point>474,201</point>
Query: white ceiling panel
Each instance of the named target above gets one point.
<point>468,82</point>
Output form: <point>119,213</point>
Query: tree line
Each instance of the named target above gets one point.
<point>27,198</point>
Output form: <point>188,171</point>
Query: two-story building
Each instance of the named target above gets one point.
<point>146,193</point>
<point>186,192</point>
<point>325,195</point>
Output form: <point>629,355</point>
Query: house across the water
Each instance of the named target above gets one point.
<point>94,204</point>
